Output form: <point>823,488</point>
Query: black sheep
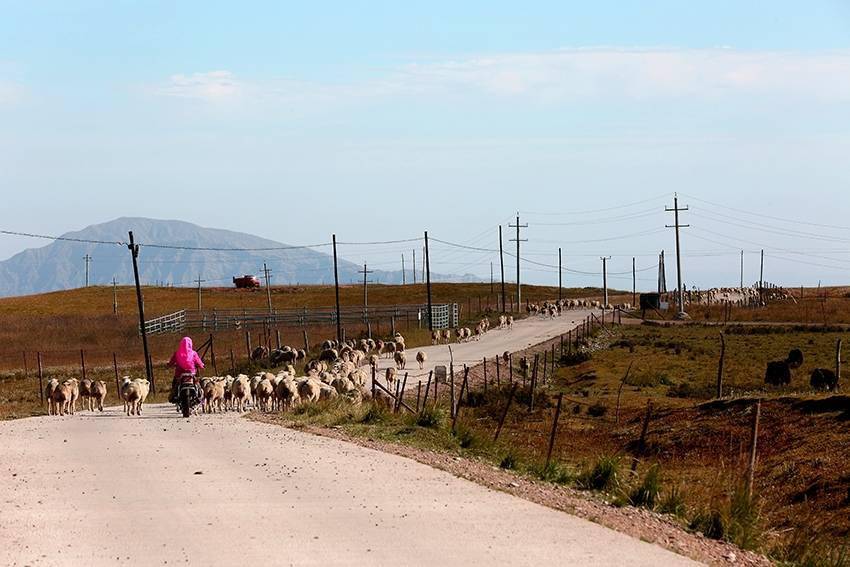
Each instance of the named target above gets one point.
<point>823,379</point>
<point>778,373</point>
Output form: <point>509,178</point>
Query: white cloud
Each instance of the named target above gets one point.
<point>563,75</point>
<point>210,86</point>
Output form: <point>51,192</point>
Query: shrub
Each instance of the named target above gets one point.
<point>604,475</point>
<point>710,523</point>
<point>597,410</point>
<point>466,437</point>
<point>744,519</point>
<point>673,503</point>
<point>553,472</point>
<point>432,417</point>
<point>646,494</point>
<point>575,357</point>
<point>375,413</point>
<point>509,461</point>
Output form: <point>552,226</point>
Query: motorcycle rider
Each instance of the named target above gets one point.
<point>186,363</point>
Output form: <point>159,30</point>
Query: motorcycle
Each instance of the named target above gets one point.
<point>187,397</point>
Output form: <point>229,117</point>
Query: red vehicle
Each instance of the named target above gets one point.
<point>246,282</point>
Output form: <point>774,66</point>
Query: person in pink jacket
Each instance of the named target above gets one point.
<point>186,363</point>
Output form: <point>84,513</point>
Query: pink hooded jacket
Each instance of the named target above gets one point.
<point>186,360</point>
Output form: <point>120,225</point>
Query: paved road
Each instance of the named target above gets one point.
<point>525,333</point>
<point>222,490</point>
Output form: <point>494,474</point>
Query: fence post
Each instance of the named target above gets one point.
<point>620,391</point>
<point>373,382</point>
<point>720,366</point>
<point>418,395</point>
<point>511,367</point>
<point>485,375</point>
<point>498,378</point>
<point>427,389</point>
<point>232,362</point>
<point>306,342</point>
<point>83,362</point>
<point>277,333</point>
<point>505,412</point>
<point>751,469</point>
<point>554,428</point>
<point>153,379</point>
<point>115,370</point>
<point>838,362</point>
<point>40,377</point>
<point>533,383</point>
<point>26,368</point>
<point>212,352</point>
<point>642,441</point>
<point>400,394</point>
<point>248,343</point>
<point>452,388</point>
<point>460,397</point>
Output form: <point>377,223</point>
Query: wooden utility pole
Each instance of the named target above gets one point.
<point>742,269</point>
<point>366,281</point>
<point>720,366</point>
<point>634,284</point>
<point>336,292</point>
<point>268,273</point>
<point>414,266</point>
<point>114,296</point>
<point>560,274</point>
<point>428,284</point>
<point>761,272</point>
<point>518,226</point>
<point>134,252</point>
<point>199,281</point>
<point>403,275</point>
<point>491,279</point>
<point>87,260</point>
<point>605,281</point>
<point>502,265</point>
<point>675,210</point>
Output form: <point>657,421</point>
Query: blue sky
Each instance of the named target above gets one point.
<point>380,120</point>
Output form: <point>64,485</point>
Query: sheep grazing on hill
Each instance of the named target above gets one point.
<point>373,361</point>
<point>52,384</point>
<point>379,347</point>
<point>510,322</point>
<point>823,379</point>
<point>260,353</point>
<point>435,337</point>
<point>778,373</point>
<point>421,357</point>
<point>85,394</point>
<point>506,357</point>
<point>283,356</point>
<point>400,360</point>
<point>329,355</point>
<point>359,377</point>
<point>447,335</point>
<point>327,392</point>
<point>390,378</point>
<point>98,394</point>
<point>287,393</point>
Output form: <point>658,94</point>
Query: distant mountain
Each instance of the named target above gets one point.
<point>60,265</point>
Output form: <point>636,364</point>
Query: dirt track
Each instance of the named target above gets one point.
<point>525,333</point>
<point>222,490</point>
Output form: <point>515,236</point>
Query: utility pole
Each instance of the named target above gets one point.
<point>267,272</point>
<point>675,210</point>
<point>365,273</point>
<point>427,270</point>
<point>114,296</point>
<point>414,266</point>
<point>134,251</point>
<point>199,281</point>
<point>761,272</point>
<point>336,289</point>
<point>491,278</point>
<point>518,226</point>
<point>742,269</point>
<point>403,276</point>
<point>87,260</point>
<point>560,274</point>
<point>605,280</point>
<point>634,284</point>
<point>502,265</point>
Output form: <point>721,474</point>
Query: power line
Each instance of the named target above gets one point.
<point>64,238</point>
<point>627,205</point>
<point>781,219</point>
